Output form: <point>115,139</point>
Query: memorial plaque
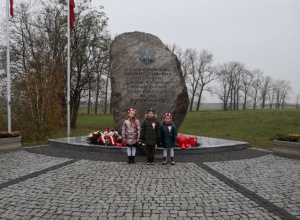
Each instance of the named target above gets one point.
<point>146,74</point>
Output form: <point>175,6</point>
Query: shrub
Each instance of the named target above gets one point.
<point>5,134</point>
<point>287,137</point>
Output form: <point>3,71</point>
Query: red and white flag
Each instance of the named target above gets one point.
<point>72,14</point>
<point>12,8</point>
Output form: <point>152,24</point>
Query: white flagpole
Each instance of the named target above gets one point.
<point>68,81</point>
<point>8,68</point>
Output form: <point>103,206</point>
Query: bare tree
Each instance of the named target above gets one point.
<point>297,100</point>
<point>247,79</point>
<point>107,86</point>
<point>88,41</point>
<point>286,89</point>
<point>225,80</point>
<point>272,93</point>
<point>102,70</point>
<point>98,68</point>
<point>230,77</point>
<point>282,89</point>
<point>182,56</point>
<point>89,104</point>
<point>277,91</point>
<point>200,74</point>
<point>192,77</point>
<point>172,47</point>
<point>238,71</point>
<point>206,73</point>
<point>256,85</point>
<point>266,86</point>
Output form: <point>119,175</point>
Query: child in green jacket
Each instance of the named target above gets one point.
<point>150,134</point>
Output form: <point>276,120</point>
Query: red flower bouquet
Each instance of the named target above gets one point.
<point>109,137</point>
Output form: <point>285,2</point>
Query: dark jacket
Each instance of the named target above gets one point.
<point>168,135</point>
<point>150,131</point>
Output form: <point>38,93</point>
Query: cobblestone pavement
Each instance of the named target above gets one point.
<point>87,189</point>
<point>277,179</point>
<point>20,163</point>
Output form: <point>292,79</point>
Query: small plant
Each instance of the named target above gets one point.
<point>5,134</point>
<point>287,137</point>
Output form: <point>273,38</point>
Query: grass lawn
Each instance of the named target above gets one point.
<point>253,126</point>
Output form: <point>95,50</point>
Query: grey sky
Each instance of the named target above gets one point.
<point>262,34</point>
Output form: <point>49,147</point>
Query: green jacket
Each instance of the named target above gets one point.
<point>150,131</point>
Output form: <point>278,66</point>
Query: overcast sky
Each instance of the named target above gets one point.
<point>262,34</point>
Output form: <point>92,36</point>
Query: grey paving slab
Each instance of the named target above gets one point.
<point>115,190</point>
<point>20,163</point>
<point>271,177</point>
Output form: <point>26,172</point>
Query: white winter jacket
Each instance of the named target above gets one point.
<point>130,133</point>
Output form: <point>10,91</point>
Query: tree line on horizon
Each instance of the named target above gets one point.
<point>234,84</point>
<point>38,54</point>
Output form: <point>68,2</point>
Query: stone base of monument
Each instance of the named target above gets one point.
<point>208,145</point>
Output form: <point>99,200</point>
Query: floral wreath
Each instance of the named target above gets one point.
<point>109,137</point>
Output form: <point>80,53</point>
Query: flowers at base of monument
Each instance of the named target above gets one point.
<point>109,137</point>
<point>287,137</point>
<point>187,142</point>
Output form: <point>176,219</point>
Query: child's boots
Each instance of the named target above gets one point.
<point>165,161</point>
<point>172,161</point>
<point>152,161</point>
<point>132,159</point>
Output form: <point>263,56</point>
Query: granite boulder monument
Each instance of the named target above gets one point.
<point>146,74</point>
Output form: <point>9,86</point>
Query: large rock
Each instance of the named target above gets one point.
<point>146,74</point>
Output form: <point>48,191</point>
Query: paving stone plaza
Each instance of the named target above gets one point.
<point>39,186</point>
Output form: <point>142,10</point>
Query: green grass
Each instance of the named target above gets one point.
<point>87,124</point>
<point>254,126</point>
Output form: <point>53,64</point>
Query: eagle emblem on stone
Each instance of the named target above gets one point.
<point>147,55</point>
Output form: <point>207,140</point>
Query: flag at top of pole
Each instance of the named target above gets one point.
<point>72,14</point>
<point>12,8</point>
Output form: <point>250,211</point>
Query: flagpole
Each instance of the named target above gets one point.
<point>8,68</point>
<point>68,75</point>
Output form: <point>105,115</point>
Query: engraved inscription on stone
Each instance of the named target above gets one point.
<point>146,74</point>
<point>148,86</point>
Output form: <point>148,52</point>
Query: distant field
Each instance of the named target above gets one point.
<point>253,126</point>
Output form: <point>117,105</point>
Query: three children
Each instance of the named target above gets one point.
<point>151,133</point>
